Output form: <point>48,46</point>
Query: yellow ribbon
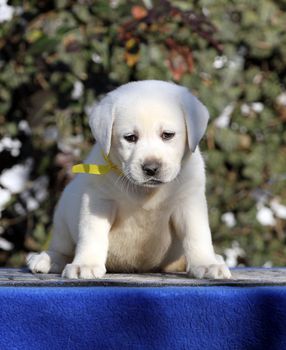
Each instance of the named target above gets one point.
<point>95,169</point>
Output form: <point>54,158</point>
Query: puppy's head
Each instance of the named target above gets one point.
<point>145,126</point>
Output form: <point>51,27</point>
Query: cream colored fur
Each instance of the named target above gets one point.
<point>137,222</point>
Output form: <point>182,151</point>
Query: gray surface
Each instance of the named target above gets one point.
<point>241,277</point>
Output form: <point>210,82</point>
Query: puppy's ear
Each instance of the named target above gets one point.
<point>101,121</point>
<point>196,116</point>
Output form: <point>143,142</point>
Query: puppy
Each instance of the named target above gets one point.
<point>150,208</point>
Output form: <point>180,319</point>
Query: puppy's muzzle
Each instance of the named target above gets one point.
<point>151,168</point>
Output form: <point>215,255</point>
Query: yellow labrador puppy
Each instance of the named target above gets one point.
<point>150,209</point>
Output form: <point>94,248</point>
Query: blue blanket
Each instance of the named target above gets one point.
<point>143,318</point>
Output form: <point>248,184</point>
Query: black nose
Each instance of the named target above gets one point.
<point>151,168</point>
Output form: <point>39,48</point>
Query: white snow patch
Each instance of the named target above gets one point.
<point>245,109</point>
<point>265,216</point>
<point>281,99</point>
<point>6,11</point>
<point>25,127</point>
<point>222,121</point>
<point>10,145</point>
<point>31,203</point>
<point>229,219</point>
<point>278,209</point>
<point>4,244</point>
<point>15,178</point>
<point>220,62</point>
<point>257,107</point>
<point>77,90</point>
<point>5,197</point>
<point>96,58</point>
<point>233,253</point>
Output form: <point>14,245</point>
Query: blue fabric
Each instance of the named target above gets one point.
<point>143,318</point>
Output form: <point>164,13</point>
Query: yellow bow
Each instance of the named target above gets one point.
<point>95,169</point>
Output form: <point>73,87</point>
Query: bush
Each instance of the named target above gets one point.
<point>56,58</point>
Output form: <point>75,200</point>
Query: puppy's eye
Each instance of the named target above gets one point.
<point>132,138</point>
<point>167,135</point>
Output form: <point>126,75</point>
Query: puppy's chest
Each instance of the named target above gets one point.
<point>140,221</point>
<point>138,240</point>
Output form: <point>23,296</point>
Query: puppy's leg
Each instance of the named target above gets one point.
<point>46,262</point>
<point>174,260</point>
<point>58,255</point>
<point>96,218</point>
<point>192,225</point>
<point>176,266</point>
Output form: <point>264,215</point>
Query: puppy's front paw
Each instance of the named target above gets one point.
<point>74,271</point>
<point>214,271</point>
<point>39,262</point>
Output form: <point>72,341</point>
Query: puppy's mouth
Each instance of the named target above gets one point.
<point>148,183</point>
<point>152,183</point>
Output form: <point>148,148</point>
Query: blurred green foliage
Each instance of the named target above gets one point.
<point>57,57</point>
